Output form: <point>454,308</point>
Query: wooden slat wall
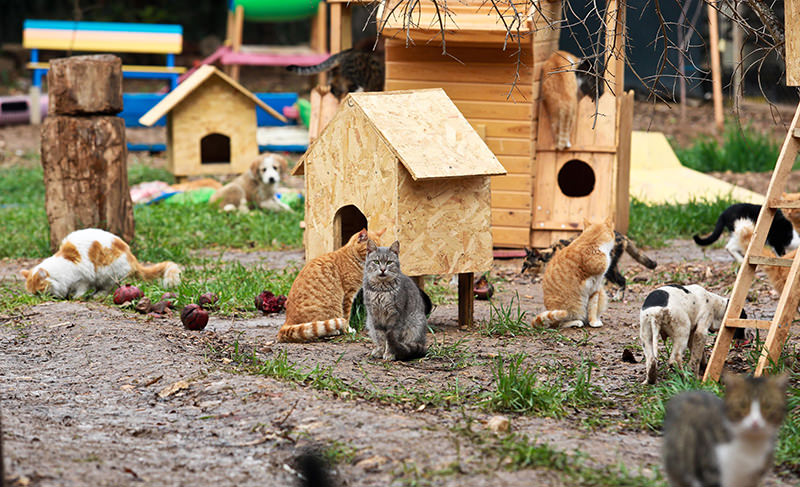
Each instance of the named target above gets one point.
<point>481,88</point>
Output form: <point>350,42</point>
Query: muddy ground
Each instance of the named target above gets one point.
<point>93,395</point>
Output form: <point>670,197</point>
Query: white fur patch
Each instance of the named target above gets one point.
<point>742,459</point>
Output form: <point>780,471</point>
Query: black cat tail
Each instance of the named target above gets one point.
<point>325,65</point>
<point>714,235</point>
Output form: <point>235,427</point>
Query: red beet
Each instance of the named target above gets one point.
<point>269,303</point>
<point>207,300</point>
<point>194,317</point>
<point>127,293</point>
<point>170,298</point>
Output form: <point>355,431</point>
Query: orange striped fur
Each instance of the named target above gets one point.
<point>319,302</point>
<point>549,318</point>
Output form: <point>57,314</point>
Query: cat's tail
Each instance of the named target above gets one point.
<point>410,352</point>
<point>720,226</point>
<point>304,332</point>
<point>638,256</point>
<point>168,272</point>
<point>549,318</point>
<point>325,65</point>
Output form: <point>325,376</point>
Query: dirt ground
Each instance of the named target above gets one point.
<point>93,395</point>
<point>86,397</point>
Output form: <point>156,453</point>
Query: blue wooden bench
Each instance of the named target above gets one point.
<point>106,37</point>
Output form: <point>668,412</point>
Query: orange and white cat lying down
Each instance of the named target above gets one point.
<point>93,259</point>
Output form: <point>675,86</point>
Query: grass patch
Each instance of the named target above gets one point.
<point>140,173</point>
<point>438,289</point>
<point>654,397</point>
<point>743,149</point>
<point>13,296</point>
<point>506,319</point>
<point>457,353</point>
<point>653,225</point>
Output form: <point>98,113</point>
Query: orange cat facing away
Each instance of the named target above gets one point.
<point>565,79</point>
<point>319,301</point>
<point>573,281</point>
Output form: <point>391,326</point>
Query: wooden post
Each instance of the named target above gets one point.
<point>716,69</point>
<point>236,42</point>
<point>84,156</point>
<point>738,69</point>
<point>36,105</point>
<point>319,35</point>
<point>792,13</point>
<point>615,46</point>
<point>466,299</point>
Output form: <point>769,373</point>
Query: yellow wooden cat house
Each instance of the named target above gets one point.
<point>410,162</point>
<point>547,193</point>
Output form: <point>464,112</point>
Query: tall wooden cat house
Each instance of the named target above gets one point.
<point>410,162</point>
<point>211,124</point>
<point>547,193</point>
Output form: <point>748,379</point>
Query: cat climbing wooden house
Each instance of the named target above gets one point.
<point>211,124</point>
<point>494,76</point>
<point>410,162</point>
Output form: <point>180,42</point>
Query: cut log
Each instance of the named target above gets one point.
<point>85,176</point>
<point>85,85</point>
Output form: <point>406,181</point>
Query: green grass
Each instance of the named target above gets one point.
<point>506,319</point>
<point>653,225</point>
<point>742,150</point>
<point>163,231</point>
<point>140,173</point>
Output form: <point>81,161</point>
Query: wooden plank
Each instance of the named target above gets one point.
<point>739,323</point>
<point>466,299</point>
<point>770,261</point>
<point>502,73</point>
<point>782,321</point>
<point>500,110</point>
<point>396,51</point>
<point>564,225</point>
<point>512,182</point>
<point>783,204</point>
<point>336,27</point>
<point>511,218</point>
<point>236,42</point>
<point>500,128</point>
<point>510,237</point>
<point>511,147</point>
<point>475,91</point>
<point>516,164</point>
<point>716,66</point>
<point>512,199</point>
<point>623,164</point>
<point>796,133</point>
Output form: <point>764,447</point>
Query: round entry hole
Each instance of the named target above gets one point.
<point>576,179</point>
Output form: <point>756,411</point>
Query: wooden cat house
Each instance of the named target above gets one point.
<point>410,162</point>
<point>546,194</point>
<point>211,124</point>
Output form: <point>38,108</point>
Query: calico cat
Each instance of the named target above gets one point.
<point>360,68</point>
<point>709,441</point>
<point>396,320</point>
<point>93,259</point>
<point>536,259</point>
<point>319,301</point>
<point>573,281</point>
<point>782,236</point>
<point>777,275</point>
<point>565,79</point>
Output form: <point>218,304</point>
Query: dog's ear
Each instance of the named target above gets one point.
<point>255,165</point>
<point>283,163</point>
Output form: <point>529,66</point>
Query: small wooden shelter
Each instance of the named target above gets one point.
<point>495,83</point>
<point>410,162</point>
<point>211,124</point>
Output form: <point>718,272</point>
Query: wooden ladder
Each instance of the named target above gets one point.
<point>790,295</point>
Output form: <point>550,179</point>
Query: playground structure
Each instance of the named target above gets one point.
<point>547,193</point>
<point>211,124</point>
<point>410,162</point>
<point>102,37</point>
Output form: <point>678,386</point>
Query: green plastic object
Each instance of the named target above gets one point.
<point>304,108</point>
<point>199,195</point>
<point>277,10</point>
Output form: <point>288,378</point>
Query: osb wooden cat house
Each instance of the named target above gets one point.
<point>547,193</point>
<point>410,162</point>
<point>211,124</point>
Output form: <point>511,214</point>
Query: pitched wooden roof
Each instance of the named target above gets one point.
<point>426,132</point>
<point>188,85</point>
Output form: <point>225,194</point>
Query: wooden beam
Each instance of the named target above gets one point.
<point>739,323</point>
<point>236,41</point>
<point>792,15</point>
<point>716,69</point>
<point>770,261</point>
<point>466,299</point>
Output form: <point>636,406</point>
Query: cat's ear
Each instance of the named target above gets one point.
<point>25,273</point>
<point>732,380</point>
<point>395,247</point>
<point>371,247</point>
<point>781,380</point>
<point>362,236</point>
<point>42,274</point>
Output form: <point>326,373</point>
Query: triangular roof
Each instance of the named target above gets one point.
<point>191,83</point>
<point>425,130</point>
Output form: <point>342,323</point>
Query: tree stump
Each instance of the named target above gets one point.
<point>85,85</point>
<point>84,157</point>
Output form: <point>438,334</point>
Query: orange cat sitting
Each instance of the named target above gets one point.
<point>573,281</point>
<point>319,301</point>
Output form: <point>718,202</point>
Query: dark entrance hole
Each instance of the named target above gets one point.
<point>349,220</point>
<point>215,149</point>
<point>576,179</point>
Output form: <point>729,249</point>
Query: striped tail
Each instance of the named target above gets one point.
<point>549,318</point>
<point>639,256</point>
<point>325,65</point>
<point>305,332</point>
<point>169,272</point>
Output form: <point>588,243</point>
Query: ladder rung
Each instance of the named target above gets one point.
<point>796,133</point>
<point>785,204</point>
<point>773,261</point>
<point>737,323</point>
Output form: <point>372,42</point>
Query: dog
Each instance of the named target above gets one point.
<point>255,188</point>
<point>684,313</point>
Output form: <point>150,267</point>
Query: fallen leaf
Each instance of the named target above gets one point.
<point>173,388</point>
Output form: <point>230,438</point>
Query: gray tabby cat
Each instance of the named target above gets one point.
<point>709,442</point>
<point>396,320</point>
